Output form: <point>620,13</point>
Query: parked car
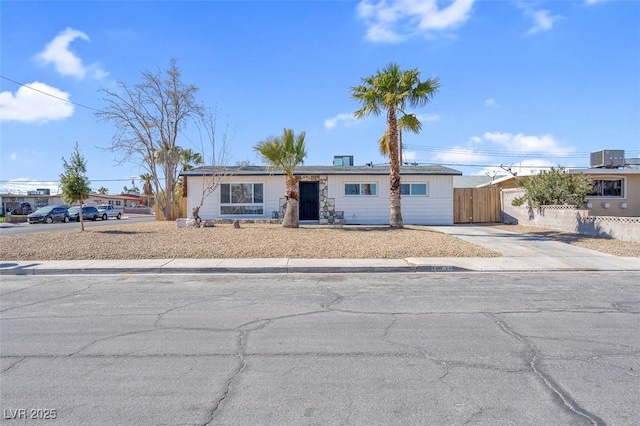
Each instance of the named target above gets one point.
<point>88,213</point>
<point>22,209</point>
<point>49,214</point>
<point>107,211</point>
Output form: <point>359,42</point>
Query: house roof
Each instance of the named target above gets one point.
<point>471,181</point>
<point>325,170</point>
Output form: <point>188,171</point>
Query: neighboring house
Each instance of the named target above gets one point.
<point>616,191</point>
<point>124,200</point>
<point>328,194</point>
<point>472,181</point>
<point>37,199</point>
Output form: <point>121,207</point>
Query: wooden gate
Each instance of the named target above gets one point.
<point>476,205</point>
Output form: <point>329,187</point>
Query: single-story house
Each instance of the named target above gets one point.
<point>122,200</point>
<point>616,192</point>
<point>328,194</point>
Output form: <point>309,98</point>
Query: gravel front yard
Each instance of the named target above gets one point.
<point>164,240</point>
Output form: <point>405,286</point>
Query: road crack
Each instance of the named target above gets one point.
<point>556,390</point>
<point>242,336</point>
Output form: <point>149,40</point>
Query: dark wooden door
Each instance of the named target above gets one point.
<point>309,200</point>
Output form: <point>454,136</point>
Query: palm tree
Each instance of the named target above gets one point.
<point>103,191</point>
<point>188,159</point>
<point>406,122</point>
<point>147,189</point>
<point>286,153</point>
<point>390,90</point>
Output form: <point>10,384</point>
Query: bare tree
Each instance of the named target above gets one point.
<point>213,150</point>
<point>149,117</point>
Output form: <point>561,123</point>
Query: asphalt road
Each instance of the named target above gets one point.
<point>355,349</point>
<point>25,228</point>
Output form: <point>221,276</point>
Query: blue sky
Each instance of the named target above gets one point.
<point>523,84</point>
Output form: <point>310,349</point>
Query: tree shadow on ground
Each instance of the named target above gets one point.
<point>120,232</point>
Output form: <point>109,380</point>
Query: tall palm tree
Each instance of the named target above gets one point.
<point>390,90</point>
<point>406,122</point>
<point>286,153</point>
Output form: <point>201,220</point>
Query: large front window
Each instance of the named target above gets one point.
<point>607,188</point>
<point>360,189</point>
<point>242,198</point>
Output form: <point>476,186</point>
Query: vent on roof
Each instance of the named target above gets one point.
<point>343,160</point>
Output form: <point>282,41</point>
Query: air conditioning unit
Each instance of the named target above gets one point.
<point>608,158</point>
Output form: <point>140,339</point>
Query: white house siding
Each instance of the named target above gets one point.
<point>274,187</point>
<point>434,209</point>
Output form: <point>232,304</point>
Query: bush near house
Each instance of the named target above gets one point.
<point>555,187</point>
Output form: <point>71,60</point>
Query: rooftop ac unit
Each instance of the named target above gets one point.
<point>608,158</point>
<point>632,161</point>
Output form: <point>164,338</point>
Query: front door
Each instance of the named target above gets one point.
<point>309,200</point>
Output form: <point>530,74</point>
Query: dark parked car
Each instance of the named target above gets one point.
<point>49,214</point>
<point>88,213</point>
<point>23,208</point>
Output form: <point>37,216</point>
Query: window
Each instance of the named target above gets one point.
<point>360,189</point>
<point>117,202</point>
<point>607,188</point>
<point>414,189</point>
<point>242,198</point>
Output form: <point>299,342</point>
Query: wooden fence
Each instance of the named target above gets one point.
<point>476,205</point>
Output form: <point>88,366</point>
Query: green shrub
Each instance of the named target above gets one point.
<point>553,188</point>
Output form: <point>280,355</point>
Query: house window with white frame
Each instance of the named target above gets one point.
<point>607,187</point>
<point>414,189</point>
<point>241,199</point>
<point>361,189</point>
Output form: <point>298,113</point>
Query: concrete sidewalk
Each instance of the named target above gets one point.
<point>520,253</point>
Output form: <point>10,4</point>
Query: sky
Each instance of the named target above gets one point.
<point>524,85</point>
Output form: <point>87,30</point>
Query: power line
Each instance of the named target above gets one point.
<point>49,94</point>
<point>481,152</point>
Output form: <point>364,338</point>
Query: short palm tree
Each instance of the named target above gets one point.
<point>103,191</point>
<point>285,153</point>
<point>390,90</point>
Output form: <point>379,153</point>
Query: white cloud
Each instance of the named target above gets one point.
<point>490,102</point>
<point>22,185</point>
<point>428,117</point>
<point>66,62</point>
<point>542,21</point>
<point>346,118</point>
<point>31,106</point>
<point>527,143</point>
<point>13,156</point>
<point>394,20</point>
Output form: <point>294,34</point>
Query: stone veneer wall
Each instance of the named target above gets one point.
<point>570,219</point>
